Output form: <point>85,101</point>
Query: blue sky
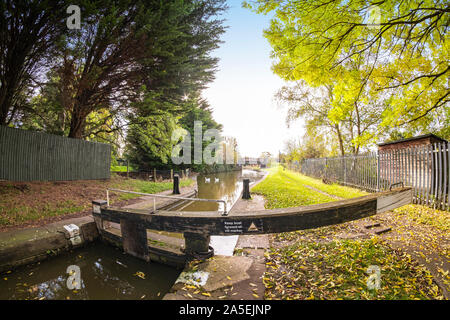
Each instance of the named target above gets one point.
<point>242,94</point>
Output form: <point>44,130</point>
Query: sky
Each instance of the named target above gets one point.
<point>242,95</point>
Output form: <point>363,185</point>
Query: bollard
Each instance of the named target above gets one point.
<point>246,194</point>
<point>176,184</point>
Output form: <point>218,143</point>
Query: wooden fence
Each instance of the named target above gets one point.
<point>30,155</point>
<point>425,168</point>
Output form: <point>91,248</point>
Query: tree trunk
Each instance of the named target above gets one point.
<point>77,125</point>
<point>341,142</point>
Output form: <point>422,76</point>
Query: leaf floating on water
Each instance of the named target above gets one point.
<point>140,275</point>
<point>120,263</point>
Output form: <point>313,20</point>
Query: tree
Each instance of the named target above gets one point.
<point>133,59</point>
<point>198,109</point>
<point>388,54</point>
<point>312,145</point>
<point>30,31</point>
<point>149,144</point>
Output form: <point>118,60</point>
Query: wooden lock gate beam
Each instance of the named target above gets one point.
<point>199,226</point>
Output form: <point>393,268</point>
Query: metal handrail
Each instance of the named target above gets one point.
<point>168,197</point>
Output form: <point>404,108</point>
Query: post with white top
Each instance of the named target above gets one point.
<point>176,184</point>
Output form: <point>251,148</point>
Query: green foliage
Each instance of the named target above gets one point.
<point>384,67</point>
<point>313,145</point>
<point>130,60</point>
<point>198,109</point>
<point>149,143</point>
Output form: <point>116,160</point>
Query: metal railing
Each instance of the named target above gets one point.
<point>224,213</point>
<point>426,168</point>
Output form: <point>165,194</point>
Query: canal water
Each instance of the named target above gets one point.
<point>106,272</point>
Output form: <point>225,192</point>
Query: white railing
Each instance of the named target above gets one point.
<point>224,213</point>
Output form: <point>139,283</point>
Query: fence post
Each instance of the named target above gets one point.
<point>345,170</point>
<point>154,174</point>
<point>128,166</point>
<point>378,171</point>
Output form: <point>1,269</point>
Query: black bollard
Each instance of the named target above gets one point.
<point>176,184</point>
<point>246,193</point>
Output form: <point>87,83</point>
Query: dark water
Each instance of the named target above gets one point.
<point>106,273</point>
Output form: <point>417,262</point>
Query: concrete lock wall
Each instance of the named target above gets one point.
<point>37,156</point>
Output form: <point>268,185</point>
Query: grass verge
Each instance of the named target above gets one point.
<point>34,201</point>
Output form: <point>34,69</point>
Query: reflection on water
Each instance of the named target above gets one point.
<point>224,186</point>
<point>106,273</point>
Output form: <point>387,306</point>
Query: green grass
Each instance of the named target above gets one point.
<point>333,189</point>
<point>146,187</point>
<point>120,168</point>
<point>45,200</point>
<point>21,214</point>
<point>284,188</point>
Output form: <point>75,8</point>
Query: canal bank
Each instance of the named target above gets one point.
<point>26,246</point>
<point>30,253</point>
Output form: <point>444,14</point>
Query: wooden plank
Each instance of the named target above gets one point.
<point>382,230</point>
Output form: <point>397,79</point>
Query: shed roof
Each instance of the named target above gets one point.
<point>430,135</point>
